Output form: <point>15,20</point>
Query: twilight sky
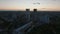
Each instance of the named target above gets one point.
<point>23,4</point>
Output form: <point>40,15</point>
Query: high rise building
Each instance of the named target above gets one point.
<point>35,10</point>
<point>27,13</point>
<point>35,16</point>
<point>27,9</point>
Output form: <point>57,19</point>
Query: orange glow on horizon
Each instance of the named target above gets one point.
<point>31,8</point>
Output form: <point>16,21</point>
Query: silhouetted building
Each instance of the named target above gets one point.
<point>27,13</point>
<point>34,16</point>
<point>44,18</point>
<point>27,9</point>
<point>35,10</point>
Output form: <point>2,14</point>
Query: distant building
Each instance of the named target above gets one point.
<point>44,18</point>
<point>27,9</point>
<point>35,16</point>
<point>35,10</point>
<point>27,13</point>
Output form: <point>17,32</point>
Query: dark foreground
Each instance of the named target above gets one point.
<point>23,22</point>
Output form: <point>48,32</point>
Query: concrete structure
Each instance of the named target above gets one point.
<point>44,19</point>
<point>35,10</point>
<point>27,13</point>
<point>27,9</point>
<point>34,16</point>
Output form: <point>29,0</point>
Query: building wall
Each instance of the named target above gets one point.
<point>44,18</point>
